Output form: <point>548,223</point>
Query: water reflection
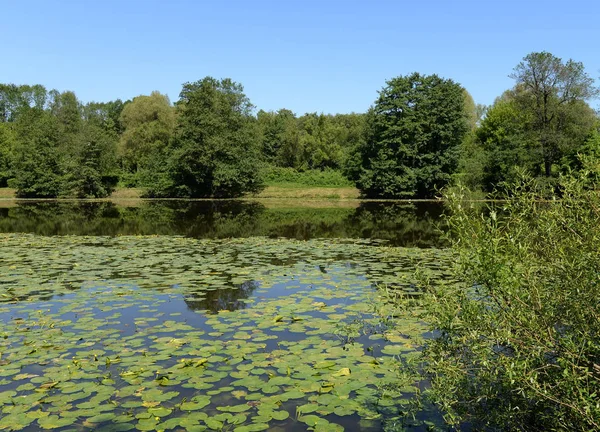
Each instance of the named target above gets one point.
<point>231,299</point>
<point>402,224</point>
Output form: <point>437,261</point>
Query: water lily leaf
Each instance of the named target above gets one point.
<point>213,424</point>
<point>235,408</point>
<point>394,349</point>
<point>54,422</point>
<point>342,372</point>
<point>159,411</point>
<point>326,364</point>
<point>196,403</point>
<point>101,418</point>
<point>256,427</point>
<point>147,424</point>
<point>16,421</point>
<point>280,415</point>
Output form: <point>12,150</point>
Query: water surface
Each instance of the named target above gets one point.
<point>400,223</point>
<point>211,316</point>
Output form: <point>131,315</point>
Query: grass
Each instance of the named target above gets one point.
<point>281,190</point>
<point>126,193</point>
<point>291,190</point>
<point>7,193</point>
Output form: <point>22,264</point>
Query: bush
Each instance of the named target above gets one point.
<point>324,178</point>
<point>518,338</point>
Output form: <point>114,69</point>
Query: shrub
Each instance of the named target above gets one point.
<point>325,178</point>
<point>518,337</point>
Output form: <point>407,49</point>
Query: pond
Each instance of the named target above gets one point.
<point>210,316</point>
<point>400,223</point>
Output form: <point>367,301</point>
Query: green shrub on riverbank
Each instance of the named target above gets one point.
<point>314,178</point>
<point>518,345</point>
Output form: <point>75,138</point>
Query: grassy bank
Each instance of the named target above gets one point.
<point>291,190</point>
<point>282,190</point>
<point>7,193</point>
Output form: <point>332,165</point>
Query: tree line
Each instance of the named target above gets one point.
<point>422,133</point>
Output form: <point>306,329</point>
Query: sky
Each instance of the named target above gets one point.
<point>330,56</point>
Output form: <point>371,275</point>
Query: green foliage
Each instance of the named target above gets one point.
<point>279,138</point>
<point>414,133</point>
<point>67,109</point>
<point>148,124</point>
<point>587,155</point>
<point>93,170</point>
<point>215,150</point>
<point>16,99</point>
<point>509,141</point>
<point>7,145</point>
<point>38,163</point>
<point>553,94</point>
<point>328,177</point>
<point>517,344</point>
<point>312,141</point>
<point>503,144</point>
<point>422,133</point>
<point>106,115</point>
<point>55,152</point>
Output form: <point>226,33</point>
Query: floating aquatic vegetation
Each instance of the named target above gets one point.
<point>171,333</point>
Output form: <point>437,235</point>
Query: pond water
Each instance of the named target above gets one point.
<point>211,316</point>
<point>400,223</point>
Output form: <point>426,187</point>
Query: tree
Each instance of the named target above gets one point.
<point>7,146</point>
<point>148,125</point>
<point>414,132</point>
<point>554,93</point>
<point>16,99</point>
<point>279,138</point>
<point>539,126</point>
<point>92,164</point>
<point>59,152</point>
<point>215,151</point>
<point>504,143</point>
<point>105,114</point>
<point>38,159</point>
<point>67,109</point>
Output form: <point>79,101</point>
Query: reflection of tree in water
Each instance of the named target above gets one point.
<point>60,218</point>
<point>213,218</point>
<point>230,299</point>
<point>402,224</point>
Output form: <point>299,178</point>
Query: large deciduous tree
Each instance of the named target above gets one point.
<point>149,123</point>
<point>54,150</point>
<point>17,99</point>
<point>414,132</point>
<point>38,158</point>
<point>539,126</point>
<point>280,138</point>
<point>554,92</point>
<point>215,151</point>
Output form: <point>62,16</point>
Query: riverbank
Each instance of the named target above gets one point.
<point>284,191</point>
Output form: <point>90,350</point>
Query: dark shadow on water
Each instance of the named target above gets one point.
<point>222,299</point>
<point>401,224</point>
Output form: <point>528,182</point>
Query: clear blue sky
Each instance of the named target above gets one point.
<point>326,56</point>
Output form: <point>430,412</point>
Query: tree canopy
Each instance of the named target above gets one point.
<point>422,134</point>
<point>414,131</point>
<point>554,93</point>
<point>148,123</point>
<point>215,149</point>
